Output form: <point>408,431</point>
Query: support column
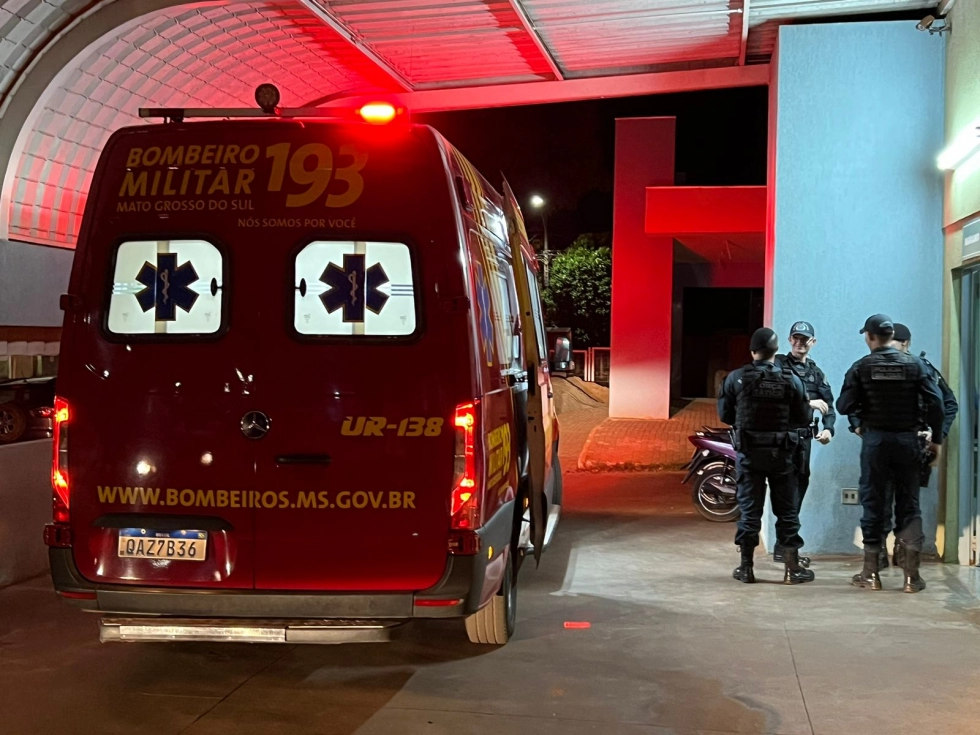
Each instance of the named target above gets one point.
<point>642,280</point>
<point>856,205</point>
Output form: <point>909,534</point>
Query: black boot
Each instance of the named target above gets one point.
<point>883,554</point>
<point>868,578</point>
<point>745,571</point>
<point>795,572</point>
<point>778,556</point>
<point>898,555</point>
<point>913,582</point>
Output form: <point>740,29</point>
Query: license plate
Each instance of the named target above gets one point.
<point>143,543</point>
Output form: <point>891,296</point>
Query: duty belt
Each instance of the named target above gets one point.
<point>891,429</point>
<point>748,439</point>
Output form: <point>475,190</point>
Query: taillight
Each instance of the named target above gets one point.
<point>59,465</point>
<point>465,502</point>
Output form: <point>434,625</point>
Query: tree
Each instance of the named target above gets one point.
<point>580,291</point>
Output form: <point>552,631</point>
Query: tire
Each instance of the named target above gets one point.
<point>494,624</point>
<point>705,498</point>
<point>13,423</point>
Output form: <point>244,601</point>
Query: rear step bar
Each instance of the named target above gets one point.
<point>113,628</point>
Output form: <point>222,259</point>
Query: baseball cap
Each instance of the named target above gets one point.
<point>763,338</point>
<point>902,333</point>
<point>804,328</point>
<point>880,325</point>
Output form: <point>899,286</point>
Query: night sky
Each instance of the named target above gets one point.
<point>564,152</point>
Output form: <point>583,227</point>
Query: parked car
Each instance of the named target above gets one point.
<point>26,409</point>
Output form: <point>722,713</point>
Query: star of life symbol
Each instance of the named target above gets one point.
<point>166,287</point>
<point>354,288</point>
<point>483,299</point>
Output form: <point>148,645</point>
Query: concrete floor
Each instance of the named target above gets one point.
<point>675,646</point>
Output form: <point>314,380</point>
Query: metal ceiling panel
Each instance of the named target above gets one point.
<point>765,17</point>
<point>445,42</point>
<point>595,37</point>
<point>211,56</point>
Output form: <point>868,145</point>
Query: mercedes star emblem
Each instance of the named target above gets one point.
<point>255,424</point>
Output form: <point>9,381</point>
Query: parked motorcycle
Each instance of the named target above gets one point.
<point>713,468</point>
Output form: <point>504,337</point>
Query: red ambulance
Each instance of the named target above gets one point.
<point>304,391</point>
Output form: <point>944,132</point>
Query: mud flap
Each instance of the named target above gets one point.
<point>536,440</point>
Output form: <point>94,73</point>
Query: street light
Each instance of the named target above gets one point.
<point>538,203</point>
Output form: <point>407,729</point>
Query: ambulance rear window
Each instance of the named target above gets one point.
<point>166,287</point>
<point>347,288</point>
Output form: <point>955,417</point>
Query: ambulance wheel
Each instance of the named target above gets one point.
<point>13,423</point>
<point>495,623</point>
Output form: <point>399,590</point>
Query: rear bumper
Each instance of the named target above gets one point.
<point>459,592</point>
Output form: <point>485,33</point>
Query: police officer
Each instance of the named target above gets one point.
<point>762,401</point>
<point>802,339</point>
<point>902,341</point>
<point>884,389</point>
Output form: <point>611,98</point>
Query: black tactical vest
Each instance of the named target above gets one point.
<point>763,404</point>
<point>806,371</point>
<point>889,381</point>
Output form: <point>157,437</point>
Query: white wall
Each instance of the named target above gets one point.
<point>25,506</point>
<point>858,219</point>
<point>32,279</point>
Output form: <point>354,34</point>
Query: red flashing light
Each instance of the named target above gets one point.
<point>378,113</point>
<point>577,625</point>
<point>59,465</point>
<point>465,503</point>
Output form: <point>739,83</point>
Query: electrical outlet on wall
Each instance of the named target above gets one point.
<point>849,496</point>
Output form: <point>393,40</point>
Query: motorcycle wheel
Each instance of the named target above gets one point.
<point>708,497</point>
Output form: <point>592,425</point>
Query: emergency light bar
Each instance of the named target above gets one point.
<point>267,96</point>
<point>178,114</point>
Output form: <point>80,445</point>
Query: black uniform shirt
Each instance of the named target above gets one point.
<point>728,400</point>
<point>950,406</point>
<point>852,395</point>
<point>816,386</point>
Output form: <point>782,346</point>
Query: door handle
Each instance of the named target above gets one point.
<point>293,459</point>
